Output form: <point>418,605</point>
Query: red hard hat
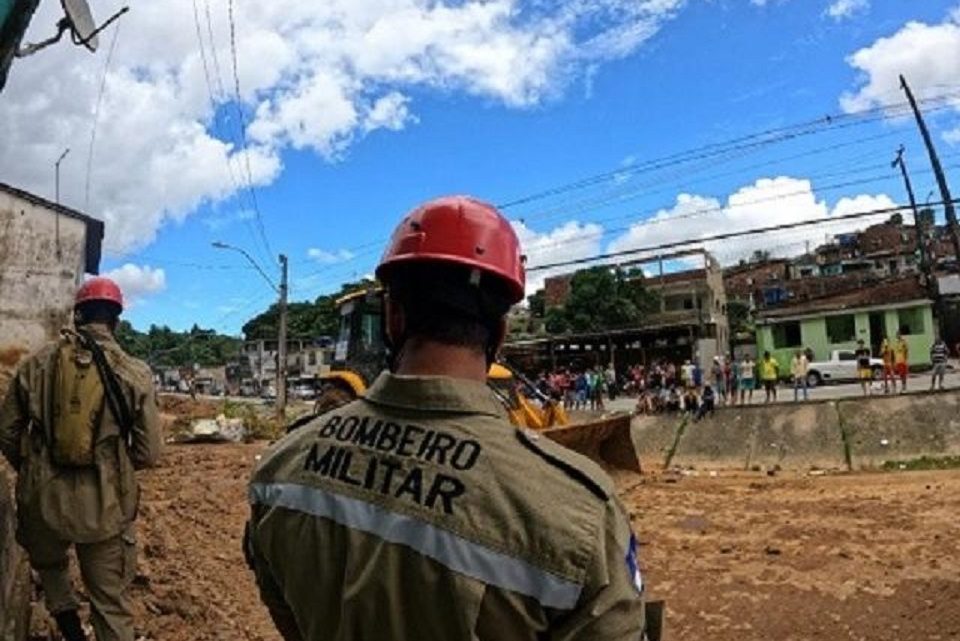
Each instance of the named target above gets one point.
<point>463,231</point>
<point>99,288</point>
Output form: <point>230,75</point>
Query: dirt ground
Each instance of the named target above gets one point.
<point>737,557</point>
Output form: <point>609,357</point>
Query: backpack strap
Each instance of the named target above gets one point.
<point>111,388</point>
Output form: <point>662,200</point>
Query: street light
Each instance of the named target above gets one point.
<point>282,333</point>
<point>56,191</point>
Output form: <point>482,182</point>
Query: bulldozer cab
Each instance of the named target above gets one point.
<point>359,347</point>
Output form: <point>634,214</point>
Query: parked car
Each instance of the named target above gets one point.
<point>842,366</point>
<point>304,392</point>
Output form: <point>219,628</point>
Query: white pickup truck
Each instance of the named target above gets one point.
<point>842,366</point>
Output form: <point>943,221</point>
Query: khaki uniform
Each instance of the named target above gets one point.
<point>419,514</point>
<point>92,508</point>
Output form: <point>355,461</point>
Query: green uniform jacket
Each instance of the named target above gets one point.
<point>420,514</point>
<point>81,505</point>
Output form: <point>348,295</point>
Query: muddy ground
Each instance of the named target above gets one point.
<point>737,557</point>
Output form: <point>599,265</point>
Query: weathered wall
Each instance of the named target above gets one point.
<point>40,269</point>
<point>808,435</point>
<point>38,276</point>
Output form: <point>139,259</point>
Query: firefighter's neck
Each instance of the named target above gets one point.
<point>427,358</point>
<point>98,327</point>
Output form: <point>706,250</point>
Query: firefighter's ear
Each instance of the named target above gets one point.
<point>396,321</point>
<point>500,333</point>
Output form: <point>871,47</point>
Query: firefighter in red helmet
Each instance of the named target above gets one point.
<point>418,511</point>
<point>78,419</point>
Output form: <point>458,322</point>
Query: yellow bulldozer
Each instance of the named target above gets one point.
<point>360,355</point>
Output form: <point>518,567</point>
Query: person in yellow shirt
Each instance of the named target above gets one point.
<point>889,368</point>
<point>901,357</point>
<point>769,373</point>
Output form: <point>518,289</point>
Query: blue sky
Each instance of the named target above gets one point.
<point>617,89</point>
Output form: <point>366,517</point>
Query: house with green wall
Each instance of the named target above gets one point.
<point>838,321</point>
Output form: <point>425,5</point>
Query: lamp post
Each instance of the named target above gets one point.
<point>282,330</point>
<point>56,192</point>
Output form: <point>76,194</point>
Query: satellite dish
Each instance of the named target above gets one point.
<point>83,28</point>
<point>79,21</point>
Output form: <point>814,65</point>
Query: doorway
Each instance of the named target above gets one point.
<point>877,331</point>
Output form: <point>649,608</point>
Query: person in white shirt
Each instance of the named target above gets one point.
<point>798,369</point>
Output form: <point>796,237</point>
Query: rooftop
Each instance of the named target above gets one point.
<point>94,226</point>
<point>888,292</point>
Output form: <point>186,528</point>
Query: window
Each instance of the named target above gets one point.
<point>841,329</point>
<point>910,320</point>
<point>370,331</point>
<point>312,358</point>
<point>847,356</point>
<point>786,335</point>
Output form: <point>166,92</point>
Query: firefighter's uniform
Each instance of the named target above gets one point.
<point>418,513</point>
<point>91,508</point>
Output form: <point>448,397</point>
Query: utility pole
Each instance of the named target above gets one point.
<point>281,383</point>
<point>921,245</point>
<point>282,343</point>
<point>948,208</point>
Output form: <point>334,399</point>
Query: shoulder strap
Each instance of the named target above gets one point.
<point>111,387</point>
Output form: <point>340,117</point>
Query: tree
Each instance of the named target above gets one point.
<point>759,256</point>
<point>319,318</point>
<point>538,303</point>
<point>161,346</point>
<point>602,298</point>
<point>738,315</point>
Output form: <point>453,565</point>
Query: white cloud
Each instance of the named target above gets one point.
<point>842,9</point>
<point>767,202</point>
<point>570,241</point>
<point>314,75</point>
<point>952,136</point>
<point>329,257</point>
<point>137,282</point>
<point>927,55</point>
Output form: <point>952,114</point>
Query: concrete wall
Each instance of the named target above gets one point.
<point>41,266</point>
<point>38,276</point>
<point>807,435</point>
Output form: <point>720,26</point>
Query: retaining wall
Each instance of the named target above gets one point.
<point>840,434</point>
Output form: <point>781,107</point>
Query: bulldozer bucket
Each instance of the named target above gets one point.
<point>606,440</point>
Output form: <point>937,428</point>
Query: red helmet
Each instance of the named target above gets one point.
<point>99,288</point>
<point>463,231</point>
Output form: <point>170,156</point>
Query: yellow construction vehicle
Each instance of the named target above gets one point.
<point>360,356</point>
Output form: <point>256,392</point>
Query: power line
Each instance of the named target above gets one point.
<point>213,49</point>
<point>750,141</point>
<point>647,220</point>
<point>638,191</point>
<point>717,237</point>
<point>96,116</point>
<point>213,100</point>
<point>243,126</point>
<point>634,192</point>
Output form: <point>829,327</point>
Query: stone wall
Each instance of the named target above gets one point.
<point>842,434</point>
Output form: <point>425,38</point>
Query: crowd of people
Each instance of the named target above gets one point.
<point>665,386</point>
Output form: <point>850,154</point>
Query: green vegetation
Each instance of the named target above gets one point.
<point>923,463</point>
<point>162,346</point>
<point>318,318</point>
<point>600,299</point>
